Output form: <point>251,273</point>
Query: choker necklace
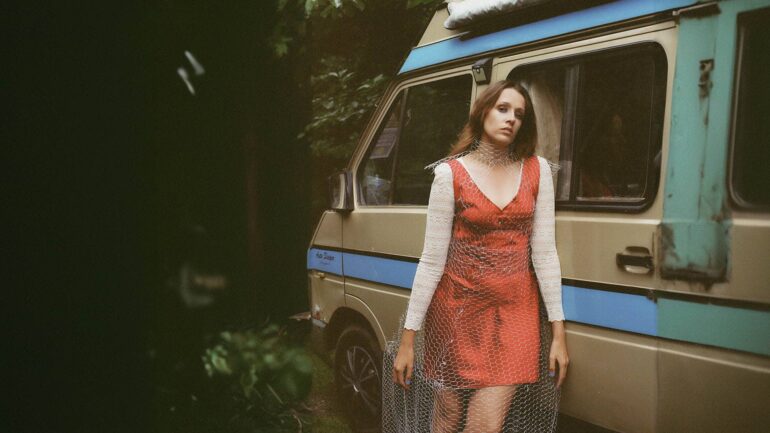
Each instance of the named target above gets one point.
<point>491,155</point>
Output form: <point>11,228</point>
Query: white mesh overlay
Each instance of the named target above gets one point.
<point>487,284</point>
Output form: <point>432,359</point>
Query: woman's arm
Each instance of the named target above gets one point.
<point>543,241</point>
<point>548,269</point>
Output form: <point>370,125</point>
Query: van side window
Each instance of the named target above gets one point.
<point>602,115</point>
<point>435,113</point>
<point>419,129</point>
<point>377,174</point>
<point>750,177</point>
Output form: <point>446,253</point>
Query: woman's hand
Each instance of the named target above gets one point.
<point>558,353</point>
<point>403,366</point>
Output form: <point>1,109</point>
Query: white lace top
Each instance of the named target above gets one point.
<point>438,233</point>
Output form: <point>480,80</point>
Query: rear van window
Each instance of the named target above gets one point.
<point>601,116</point>
<point>750,178</point>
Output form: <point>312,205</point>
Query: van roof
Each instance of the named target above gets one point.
<point>440,45</point>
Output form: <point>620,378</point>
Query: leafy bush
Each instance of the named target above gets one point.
<point>343,53</point>
<point>342,100</point>
<point>294,15</point>
<point>266,376</point>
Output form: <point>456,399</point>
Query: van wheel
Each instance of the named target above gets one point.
<point>358,378</point>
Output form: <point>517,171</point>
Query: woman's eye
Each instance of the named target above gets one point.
<point>502,109</point>
<point>520,114</point>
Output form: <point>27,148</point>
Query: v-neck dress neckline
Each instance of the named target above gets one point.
<point>486,197</point>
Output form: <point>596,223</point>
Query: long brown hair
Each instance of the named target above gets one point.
<point>526,138</point>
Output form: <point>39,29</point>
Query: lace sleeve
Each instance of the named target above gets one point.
<point>438,232</point>
<point>544,256</point>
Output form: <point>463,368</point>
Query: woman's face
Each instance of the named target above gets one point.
<point>503,120</point>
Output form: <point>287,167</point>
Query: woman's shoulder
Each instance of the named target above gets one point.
<point>443,181</point>
<point>546,166</point>
<point>443,170</point>
<point>443,166</point>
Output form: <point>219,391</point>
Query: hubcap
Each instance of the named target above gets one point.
<point>360,380</point>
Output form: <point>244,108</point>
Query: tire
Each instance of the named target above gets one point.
<point>358,378</point>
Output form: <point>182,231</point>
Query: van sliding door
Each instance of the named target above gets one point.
<point>601,116</point>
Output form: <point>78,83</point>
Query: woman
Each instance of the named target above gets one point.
<point>489,249</point>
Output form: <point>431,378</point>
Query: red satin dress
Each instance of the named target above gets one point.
<point>482,326</point>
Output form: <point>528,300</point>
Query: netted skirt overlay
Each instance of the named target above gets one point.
<point>533,408</point>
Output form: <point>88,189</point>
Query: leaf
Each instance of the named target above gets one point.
<point>270,360</point>
<point>303,363</point>
<point>293,384</point>
<point>281,45</point>
<point>309,6</point>
<point>221,364</point>
<point>359,4</point>
<point>247,383</point>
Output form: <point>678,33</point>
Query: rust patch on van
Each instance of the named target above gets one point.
<point>694,251</point>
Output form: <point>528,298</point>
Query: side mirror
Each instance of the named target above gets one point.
<point>341,191</point>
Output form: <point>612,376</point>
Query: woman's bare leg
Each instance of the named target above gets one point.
<point>447,411</point>
<point>488,408</point>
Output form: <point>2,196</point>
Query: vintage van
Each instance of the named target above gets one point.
<point>658,113</point>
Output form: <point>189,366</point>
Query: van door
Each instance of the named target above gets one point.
<point>601,107</point>
<point>714,318</point>
<point>383,235</point>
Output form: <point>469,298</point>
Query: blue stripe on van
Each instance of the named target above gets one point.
<point>452,49</point>
<point>624,311</point>
<point>381,270</point>
<point>697,322</point>
<point>627,312</point>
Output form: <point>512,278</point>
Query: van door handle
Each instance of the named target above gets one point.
<point>636,260</point>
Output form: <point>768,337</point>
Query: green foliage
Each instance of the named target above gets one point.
<point>342,54</point>
<point>265,375</point>
<point>294,16</point>
<point>342,100</point>
<point>351,47</point>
